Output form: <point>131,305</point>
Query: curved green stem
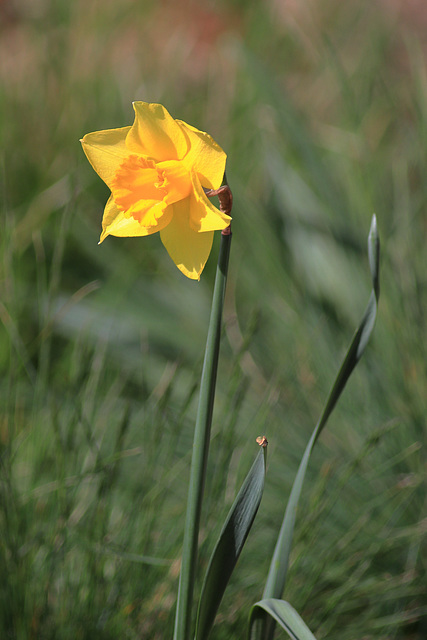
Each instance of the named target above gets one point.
<point>183,616</point>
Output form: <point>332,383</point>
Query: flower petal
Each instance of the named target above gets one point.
<point>175,179</point>
<point>187,248</point>
<point>105,150</point>
<point>156,134</point>
<point>116,223</point>
<point>134,180</point>
<point>204,156</point>
<point>204,216</point>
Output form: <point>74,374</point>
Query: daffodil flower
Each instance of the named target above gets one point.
<point>157,171</point>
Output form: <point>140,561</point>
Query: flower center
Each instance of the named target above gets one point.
<point>143,189</point>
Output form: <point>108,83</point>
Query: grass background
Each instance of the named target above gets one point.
<point>322,109</point>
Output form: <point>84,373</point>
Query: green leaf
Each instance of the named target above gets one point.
<point>276,578</point>
<point>230,544</point>
<point>285,615</point>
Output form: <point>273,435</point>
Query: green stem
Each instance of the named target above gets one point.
<point>200,449</point>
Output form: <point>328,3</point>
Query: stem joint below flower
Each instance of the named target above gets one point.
<point>225,198</point>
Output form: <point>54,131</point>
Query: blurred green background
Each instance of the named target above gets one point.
<point>322,110</point>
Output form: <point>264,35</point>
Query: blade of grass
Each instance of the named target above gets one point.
<point>230,544</point>
<point>276,578</point>
<point>285,615</point>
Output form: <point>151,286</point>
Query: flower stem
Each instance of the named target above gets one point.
<point>202,430</point>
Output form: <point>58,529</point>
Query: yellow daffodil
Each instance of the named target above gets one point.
<point>157,170</point>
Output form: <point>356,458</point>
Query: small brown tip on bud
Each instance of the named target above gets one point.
<point>262,441</point>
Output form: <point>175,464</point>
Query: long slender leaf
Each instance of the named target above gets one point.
<point>279,565</point>
<point>230,544</point>
<point>285,615</point>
